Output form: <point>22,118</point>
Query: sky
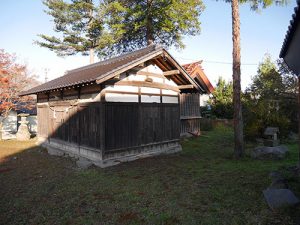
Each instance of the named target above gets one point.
<point>261,32</point>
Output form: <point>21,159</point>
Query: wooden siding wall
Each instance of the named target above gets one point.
<point>42,121</point>
<point>79,124</point>
<point>110,126</point>
<point>132,124</point>
<point>190,112</point>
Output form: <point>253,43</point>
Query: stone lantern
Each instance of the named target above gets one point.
<point>23,132</point>
<point>271,136</point>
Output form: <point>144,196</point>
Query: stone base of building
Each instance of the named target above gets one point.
<point>112,157</point>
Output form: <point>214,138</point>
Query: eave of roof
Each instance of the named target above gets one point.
<point>104,70</point>
<point>291,30</point>
<point>195,70</point>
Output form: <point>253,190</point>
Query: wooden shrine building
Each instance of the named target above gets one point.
<point>115,110</point>
<point>190,114</point>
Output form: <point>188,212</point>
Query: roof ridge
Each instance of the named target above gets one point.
<point>198,62</point>
<point>108,61</point>
<point>112,62</point>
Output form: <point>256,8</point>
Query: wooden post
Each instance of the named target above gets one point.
<point>102,128</point>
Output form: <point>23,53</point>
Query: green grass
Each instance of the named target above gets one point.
<point>203,184</point>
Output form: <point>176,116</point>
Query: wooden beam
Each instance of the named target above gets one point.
<point>148,84</point>
<point>160,65</point>
<point>126,67</point>
<point>188,86</point>
<point>182,71</point>
<point>181,79</point>
<point>138,93</point>
<point>145,73</point>
<point>171,72</point>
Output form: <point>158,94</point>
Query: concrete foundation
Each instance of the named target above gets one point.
<point>112,157</point>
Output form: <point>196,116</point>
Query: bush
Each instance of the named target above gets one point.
<point>259,115</point>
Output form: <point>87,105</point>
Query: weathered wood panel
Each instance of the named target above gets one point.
<point>189,104</point>
<point>42,118</point>
<point>190,125</point>
<point>121,125</point>
<point>89,125</point>
<point>114,126</point>
<point>135,124</point>
<point>77,124</point>
<point>190,112</point>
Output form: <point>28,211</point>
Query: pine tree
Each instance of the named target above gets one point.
<point>81,26</point>
<point>113,27</point>
<point>140,23</point>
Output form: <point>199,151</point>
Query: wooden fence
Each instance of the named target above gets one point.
<point>209,124</point>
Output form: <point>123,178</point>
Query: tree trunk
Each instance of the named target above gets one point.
<point>149,26</point>
<point>1,130</point>
<point>299,120</point>
<point>91,55</point>
<point>236,76</point>
<point>92,48</point>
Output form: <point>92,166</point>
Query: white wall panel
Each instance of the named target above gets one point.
<point>122,88</point>
<point>168,99</point>
<point>150,90</point>
<point>136,77</point>
<point>169,92</point>
<point>114,97</point>
<point>150,99</point>
<point>170,82</point>
<point>157,79</point>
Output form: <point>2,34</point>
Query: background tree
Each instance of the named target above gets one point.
<point>14,78</point>
<point>268,83</point>
<point>114,27</point>
<point>236,67</point>
<point>270,101</point>
<point>221,100</point>
<point>80,25</point>
<point>140,23</point>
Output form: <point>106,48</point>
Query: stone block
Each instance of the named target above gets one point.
<point>264,152</point>
<point>280,198</point>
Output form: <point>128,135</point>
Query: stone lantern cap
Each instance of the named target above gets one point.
<point>271,136</point>
<point>271,131</point>
<point>23,118</point>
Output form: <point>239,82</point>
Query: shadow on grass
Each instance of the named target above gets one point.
<point>201,185</point>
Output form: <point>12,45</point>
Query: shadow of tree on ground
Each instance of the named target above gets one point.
<point>201,185</point>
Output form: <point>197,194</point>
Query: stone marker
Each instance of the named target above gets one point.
<point>280,198</point>
<point>23,132</point>
<point>265,152</point>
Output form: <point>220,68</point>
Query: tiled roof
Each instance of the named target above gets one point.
<point>94,71</point>
<point>191,66</point>
<point>196,71</point>
<point>291,30</point>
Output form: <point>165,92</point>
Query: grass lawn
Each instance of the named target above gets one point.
<point>203,184</point>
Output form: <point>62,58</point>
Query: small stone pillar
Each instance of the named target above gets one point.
<point>23,132</point>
